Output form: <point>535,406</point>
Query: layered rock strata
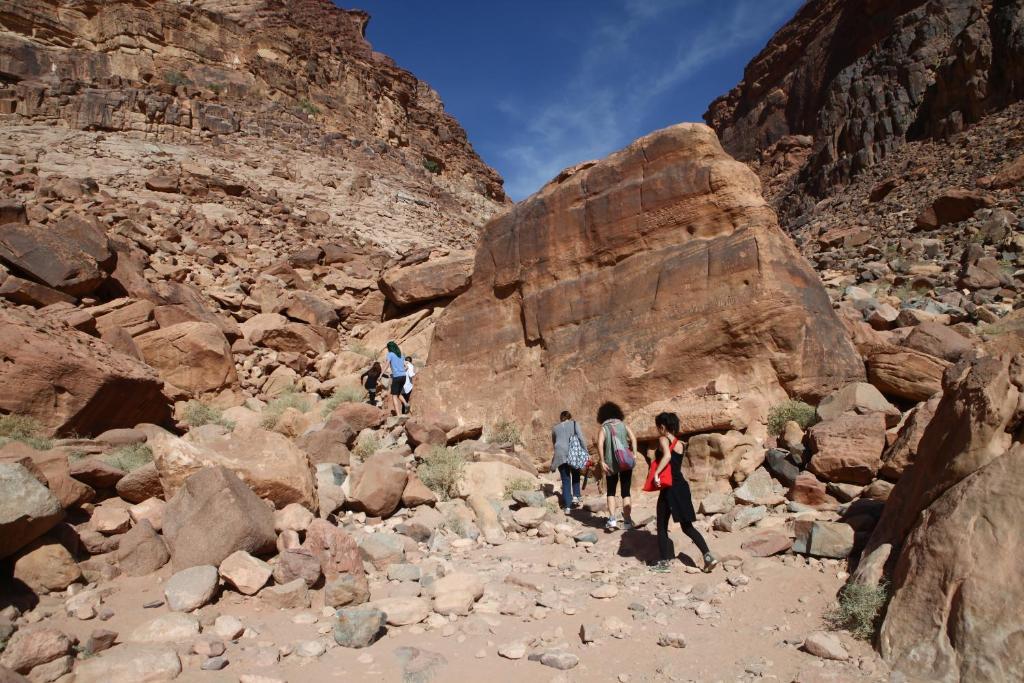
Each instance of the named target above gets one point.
<point>657,278</point>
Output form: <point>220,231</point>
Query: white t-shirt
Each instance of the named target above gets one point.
<point>410,372</point>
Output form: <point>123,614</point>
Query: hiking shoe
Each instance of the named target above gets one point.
<point>611,525</point>
<point>567,511</point>
<point>662,567</point>
<point>576,502</point>
<point>710,562</point>
<point>627,525</point>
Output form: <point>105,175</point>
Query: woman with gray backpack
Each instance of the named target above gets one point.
<point>570,458</point>
<point>616,445</point>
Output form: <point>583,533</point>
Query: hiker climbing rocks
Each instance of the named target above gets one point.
<point>369,380</point>
<point>397,365</point>
<point>410,372</point>
<point>674,498</point>
<point>569,459</point>
<point>616,444</point>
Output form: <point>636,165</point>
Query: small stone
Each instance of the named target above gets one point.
<point>99,640</point>
<point>310,649</point>
<point>359,626</point>
<point>672,640</point>
<point>737,580</point>
<point>515,650</point>
<point>191,588</point>
<point>562,661</point>
<point>169,628</point>
<point>208,647</point>
<point>826,646</point>
<point>228,627</point>
<point>604,592</point>
<point>214,664</point>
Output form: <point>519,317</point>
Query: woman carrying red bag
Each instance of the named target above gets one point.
<point>674,500</point>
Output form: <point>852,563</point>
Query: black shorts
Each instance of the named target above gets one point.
<point>397,385</point>
<point>624,479</point>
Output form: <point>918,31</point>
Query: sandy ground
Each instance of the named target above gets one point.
<point>749,632</point>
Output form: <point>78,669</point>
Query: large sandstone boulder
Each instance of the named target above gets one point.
<point>714,462</point>
<point>490,479</point>
<point>376,487</point>
<point>71,382</point>
<point>193,356</point>
<point>440,278</point>
<point>27,508</point>
<point>212,515</point>
<point>645,277</point>
<point>274,331</point>
<point>267,461</point>
<point>953,523</point>
<point>848,449</point>
<point>906,374</point>
<point>53,464</point>
<point>72,256</point>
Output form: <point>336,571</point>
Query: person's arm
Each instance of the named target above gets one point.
<point>663,461</point>
<point>599,458</point>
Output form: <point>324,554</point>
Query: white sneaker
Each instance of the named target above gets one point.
<point>611,525</point>
<point>575,502</point>
<point>567,511</point>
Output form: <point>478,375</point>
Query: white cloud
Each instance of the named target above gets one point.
<point>595,115</point>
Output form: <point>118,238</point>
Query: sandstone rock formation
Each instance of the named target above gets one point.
<point>951,526</point>
<point>845,83</point>
<point>72,382</point>
<point>657,274</point>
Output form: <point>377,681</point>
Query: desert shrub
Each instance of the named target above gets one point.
<point>308,107</point>
<point>25,429</point>
<point>177,78</point>
<point>432,166</point>
<point>860,609</point>
<point>130,457</point>
<point>517,485</point>
<point>367,446</point>
<point>361,349</point>
<point>198,414</point>
<point>505,432</point>
<point>276,406</point>
<point>441,471</point>
<point>454,524</point>
<point>803,414</point>
<point>342,395</point>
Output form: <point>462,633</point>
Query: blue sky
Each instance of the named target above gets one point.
<point>539,86</point>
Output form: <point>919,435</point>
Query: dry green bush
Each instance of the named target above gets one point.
<point>517,485</point>
<point>802,413</point>
<point>860,609</point>
<point>198,414</point>
<point>342,395</point>
<point>25,429</point>
<point>276,406</point>
<point>366,447</point>
<point>442,471</point>
<point>504,432</point>
<point>130,457</point>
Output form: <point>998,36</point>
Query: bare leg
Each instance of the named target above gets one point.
<point>627,509</point>
<point>396,405</point>
<point>611,507</point>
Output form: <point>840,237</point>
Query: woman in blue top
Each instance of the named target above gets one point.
<point>397,364</point>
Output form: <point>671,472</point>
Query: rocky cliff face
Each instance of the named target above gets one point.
<point>298,72</point>
<point>216,190</point>
<point>657,278</point>
<point>845,83</point>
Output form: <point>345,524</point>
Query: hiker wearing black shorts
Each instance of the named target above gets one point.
<point>616,444</point>
<point>675,500</point>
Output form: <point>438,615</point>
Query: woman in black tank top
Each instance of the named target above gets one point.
<point>675,501</point>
